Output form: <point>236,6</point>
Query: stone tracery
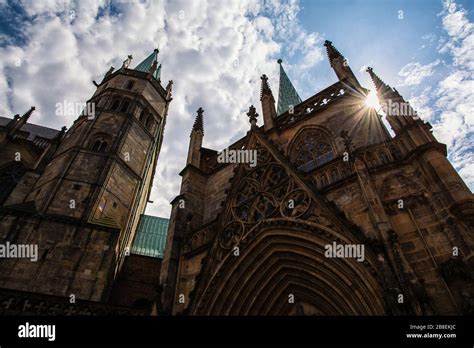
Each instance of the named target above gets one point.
<point>311,149</point>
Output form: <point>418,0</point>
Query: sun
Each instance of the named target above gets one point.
<point>372,101</point>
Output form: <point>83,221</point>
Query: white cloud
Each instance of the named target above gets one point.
<point>214,51</point>
<point>307,46</point>
<point>455,21</point>
<point>415,73</point>
<point>449,104</point>
<point>422,104</point>
<point>455,93</point>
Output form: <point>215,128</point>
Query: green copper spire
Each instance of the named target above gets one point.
<point>287,94</point>
<point>149,64</point>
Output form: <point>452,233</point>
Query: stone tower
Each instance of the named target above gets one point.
<point>81,200</point>
<point>246,240</point>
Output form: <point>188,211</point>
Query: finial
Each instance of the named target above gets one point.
<point>169,90</point>
<point>252,115</point>
<point>27,114</point>
<point>60,134</point>
<point>200,111</point>
<point>198,122</point>
<point>127,61</point>
<point>111,70</point>
<point>279,61</point>
<point>18,121</point>
<point>265,89</point>
<point>378,83</point>
<point>332,52</point>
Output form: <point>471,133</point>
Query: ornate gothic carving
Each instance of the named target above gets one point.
<point>295,204</point>
<point>231,234</point>
<point>260,190</point>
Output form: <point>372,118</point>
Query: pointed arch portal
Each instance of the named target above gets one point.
<point>278,259</point>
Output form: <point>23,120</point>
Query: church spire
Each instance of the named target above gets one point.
<point>332,52</point>
<point>198,122</point>
<point>150,65</point>
<point>265,88</point>
<point>268,104</point>
<point>195,141</point>
<point>380,86</point>
<point>340,65</point>
<point>287,95</point>
<point>398,112</point>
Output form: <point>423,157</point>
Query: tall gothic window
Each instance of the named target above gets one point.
<point>143,115</point>
<point>149,122</point>
<point>100,143</point>
<point>125,105</point>
<point>115,104</point>
<point>311,149</point>
<point>130,84</point>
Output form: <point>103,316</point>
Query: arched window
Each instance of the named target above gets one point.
<point>103,146</point>
<point>125,106</point>
<point>143,115</point>
<point>312,148</point>
<point>130,84</point>
<point>115,104</point>
<point>149,122</point>
<point>323,180</point>
<point>100,143</point>
<point>334,175</point>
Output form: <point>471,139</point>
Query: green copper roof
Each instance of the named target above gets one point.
<point>150,239</point>
<point>287,94</point>
<point>146,64</point>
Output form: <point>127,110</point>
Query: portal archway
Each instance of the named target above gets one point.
<point>281,257</point>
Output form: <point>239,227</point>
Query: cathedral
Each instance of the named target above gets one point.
<point>256,238</point>
<point>324,212</point>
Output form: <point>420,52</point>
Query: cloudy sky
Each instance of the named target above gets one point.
<point>215,52</point>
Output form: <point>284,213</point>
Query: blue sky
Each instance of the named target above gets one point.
<point>215,51</point>
<point>369,32</point>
